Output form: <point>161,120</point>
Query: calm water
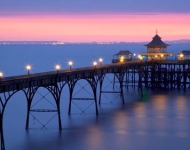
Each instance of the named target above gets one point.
<point>160,121</point>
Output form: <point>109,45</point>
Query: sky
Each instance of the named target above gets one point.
<point>94,20</point>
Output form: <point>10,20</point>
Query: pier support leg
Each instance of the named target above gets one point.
<point>29,93</point>
<point>94,83</point>
<point>59,116</point>
<point>184,78</point>
<point>96,105</point>
<point>121,76</point>
<point>121,89</point>
<point>140,83</point>
<point>70,100</point>
<point>3,101</point>
<point>56,91</point>
<point>101,83</point>
<point>1,132</point>
<point>113,82</point>
<point>100,95</point>
<point>28,115</point>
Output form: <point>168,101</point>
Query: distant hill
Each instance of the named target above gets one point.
<point>179,41</point>
<point>27,42</point>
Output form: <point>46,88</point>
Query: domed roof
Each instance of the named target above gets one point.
<point>124,52</point>
<point>156,41</point>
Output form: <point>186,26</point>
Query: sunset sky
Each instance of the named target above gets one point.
<point>89,20</point>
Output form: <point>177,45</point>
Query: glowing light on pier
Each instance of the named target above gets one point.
<point>57,67</point>
<point>140,57</point>
<point>181,55</point>
<point>1,74</point>
<point>70,63</point>
<point>95,64</point>
<point>133,56</point>
<point>122,59</point>
<point>28,68</point>
<point>100,60</point>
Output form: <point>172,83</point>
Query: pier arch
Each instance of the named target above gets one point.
<point>91,83</point>
<point>7,99</point>
<point>54,90</point>
<point>112,78</point>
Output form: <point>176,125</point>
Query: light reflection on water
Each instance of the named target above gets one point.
<point>136,125</point>
<point>153,124</point>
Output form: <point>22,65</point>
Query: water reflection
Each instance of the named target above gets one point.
<point>161,120</point>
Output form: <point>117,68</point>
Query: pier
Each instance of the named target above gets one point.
<point>158,75</point>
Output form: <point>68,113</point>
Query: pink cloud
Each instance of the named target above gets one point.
<point>95,27</point>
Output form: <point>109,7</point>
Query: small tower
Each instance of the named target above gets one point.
<point>156,49</point>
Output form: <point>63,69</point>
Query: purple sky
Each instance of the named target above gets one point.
<point>95,6</point>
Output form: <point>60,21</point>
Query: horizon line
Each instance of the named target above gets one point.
<point>62,42</point>
<point>99,13</point>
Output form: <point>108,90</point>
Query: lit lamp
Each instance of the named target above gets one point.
<point>122,59</point>
<point>70,63</point>
<point>95,64</point>
<point>140,57</point>
<point>100,60</point>
<point>181,56</point>
<point>28,68</point>
<point>57,67</point>
<point>162,56</point>
<point>1,75</point>
<point>134,55</point>
<point>156,56</point>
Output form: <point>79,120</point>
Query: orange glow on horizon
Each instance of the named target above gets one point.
<point>87,28</point>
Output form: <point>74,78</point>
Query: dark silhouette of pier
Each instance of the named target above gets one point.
<point>142,74</point>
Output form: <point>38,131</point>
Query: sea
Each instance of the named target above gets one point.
<point>160,120</point>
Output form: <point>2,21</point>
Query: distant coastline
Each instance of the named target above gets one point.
<point>94,42</point>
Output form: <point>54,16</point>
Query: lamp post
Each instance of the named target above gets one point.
<point>100,60</point>
<point>57,67</point>
<point>95,64</point>
<point>1,75</point>
<point>28,68</point>
<point>70,63</point>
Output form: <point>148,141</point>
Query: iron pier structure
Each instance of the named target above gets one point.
<point>150,75</point>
